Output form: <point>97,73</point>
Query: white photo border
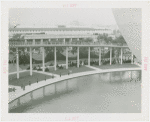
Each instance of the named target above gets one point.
<point>143,116</point>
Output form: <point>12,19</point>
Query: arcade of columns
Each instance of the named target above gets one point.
<point>55,63</point>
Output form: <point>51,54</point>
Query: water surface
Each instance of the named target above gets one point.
<point>99,93</point>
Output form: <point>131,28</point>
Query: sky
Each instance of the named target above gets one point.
<point>45,17</point>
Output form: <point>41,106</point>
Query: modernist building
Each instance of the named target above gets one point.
<point>59,31</point>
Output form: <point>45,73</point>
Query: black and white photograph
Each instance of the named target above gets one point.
<point>74,60</point>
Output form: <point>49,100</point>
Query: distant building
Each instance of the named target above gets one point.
<point>60,30</point>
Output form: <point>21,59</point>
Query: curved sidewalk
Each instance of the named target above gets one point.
<point>20,92</point>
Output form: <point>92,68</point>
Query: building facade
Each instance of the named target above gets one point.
<point>58,31</point>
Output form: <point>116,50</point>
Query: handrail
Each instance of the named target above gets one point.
<point>59,43</point>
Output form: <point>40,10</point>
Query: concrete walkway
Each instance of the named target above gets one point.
<point>19,72</point>
<point>19,92</point>
<point>93,67</point>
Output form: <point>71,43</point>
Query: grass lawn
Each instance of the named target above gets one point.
<point>73,69</point>
<point>114,66</point>
<point>25,78</point>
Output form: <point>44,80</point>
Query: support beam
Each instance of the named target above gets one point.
<point>78,57</point>
<point>131,58</point>
<point>121,56</point>
<point>64,41</point>
<point>33,42</point>
<point>41,41</point>
<point>66,57</point>
<point>70,40</point>
<point>99,56</point>
<point>25,49</point>
<point>30,61</point>
<point>89,56</point>
<point>49,40</point>
<point>17,62</point>
<point>110,55</point>
<point>25,41</point>
<point>55,58</point>
<point>43,51</point>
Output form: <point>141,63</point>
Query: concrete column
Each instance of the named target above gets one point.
<point>31,95</point>
<point>131,58</point>
<point>66,57</point>
<point>33,42</point>
<point>70,40</point>
<point>89,56</point>
<point>43,51</point>
<point>41,41</point>
<point>17,62</point>
<point>55,58</point>
<point>110,55</point>
<point>30,61</point>
<point>78,57</point>
<point>57,40</point>
<point>99,56</point>
<point>25,49</point>
<point>49,40</point>
<point>121,56</point>
<point>25,41</point>
<point>64,40</point>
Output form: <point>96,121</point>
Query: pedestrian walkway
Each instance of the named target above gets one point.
<point>19,72</point>
<point>19,92</point>
<point>93,67</point>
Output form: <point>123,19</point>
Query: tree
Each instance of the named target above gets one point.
<point>120,40</point>
<point>18,38</point>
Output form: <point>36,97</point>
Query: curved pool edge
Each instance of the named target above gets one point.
<point>55,80</point>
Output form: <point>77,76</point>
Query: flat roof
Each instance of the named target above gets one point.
<point>52,29</point>
<point>45,36</point>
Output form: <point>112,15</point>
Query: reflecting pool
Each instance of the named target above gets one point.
<point>116,92</point>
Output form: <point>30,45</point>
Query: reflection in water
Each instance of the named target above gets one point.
<point>118,92</point>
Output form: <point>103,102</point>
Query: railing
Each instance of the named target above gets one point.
<point>48,90</point>
<point>60,43</point>
<point>59,36</point>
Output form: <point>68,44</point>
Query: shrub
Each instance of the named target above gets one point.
<point>39,69</point>
<point>46,70</point>
<point>51,64</point>
<point>34,68</point>
<point>28,68</point>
